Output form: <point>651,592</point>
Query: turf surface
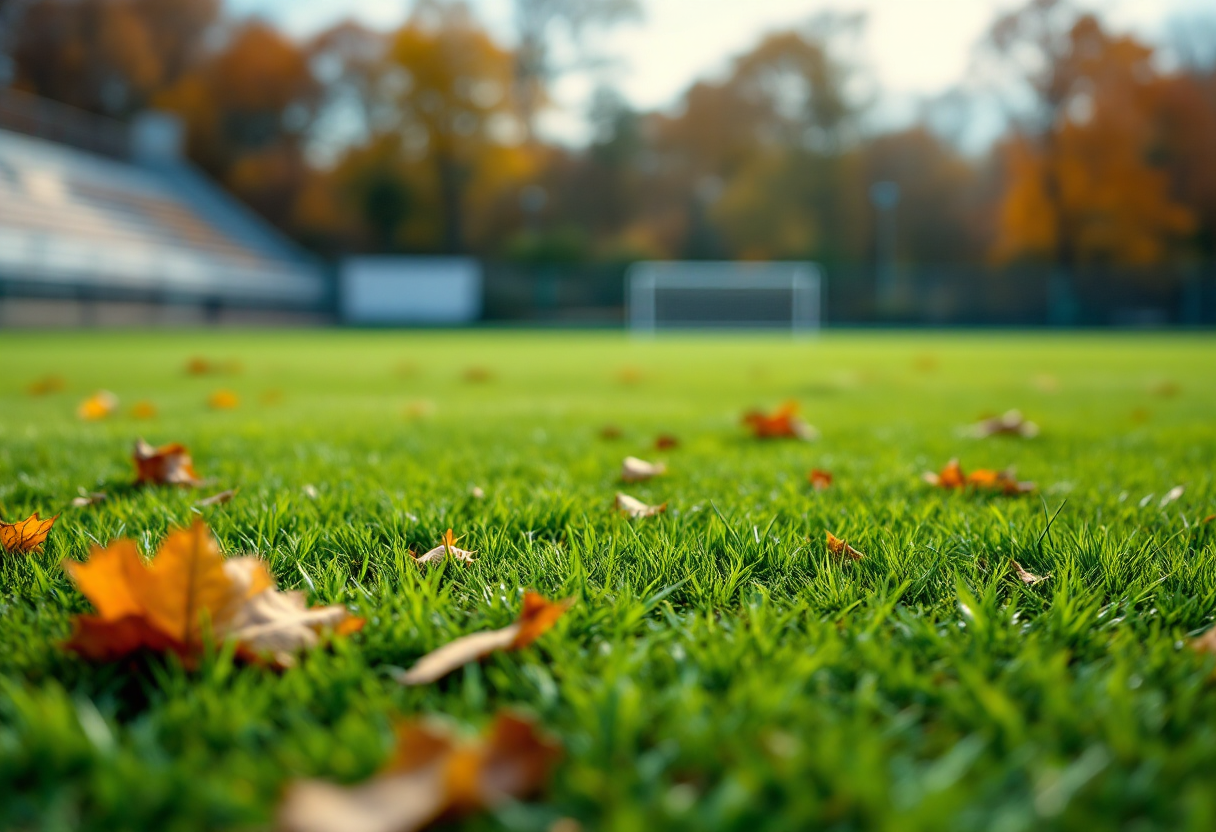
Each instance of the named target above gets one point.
<point>719,671</point>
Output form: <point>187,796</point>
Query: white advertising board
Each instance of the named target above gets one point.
<point>410,290</point>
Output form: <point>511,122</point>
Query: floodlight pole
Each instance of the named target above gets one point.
<point>884,196</point>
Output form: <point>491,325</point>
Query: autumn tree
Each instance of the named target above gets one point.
<point>107,56</point>
<point>248,108</point>
<point>1083,186</point>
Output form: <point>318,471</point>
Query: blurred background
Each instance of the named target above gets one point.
<point>382,162</point>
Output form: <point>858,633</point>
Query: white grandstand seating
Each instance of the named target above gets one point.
<point>78,224</point>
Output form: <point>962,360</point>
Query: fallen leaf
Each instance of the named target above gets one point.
<point>217,499</point>
<point>925,363</point>
<point>417,410</point>
<point>87,498</point>
<point>611,433</point>
<point>281,624</point>
<point>223,400</point>
<point>446,547</point>
<point>665,442</point>
<point>25,535</point>
<point>1004,481</point>
<point>630,375</point>
<point>1205,643</point>
<point>45,385</point>
<point>637,470</point>
<point>841,549</point>
<point>952,476</point>
<point>476,493</point>
<point>1171,495</point>
<point>433,776</point>
<point>819,479</point>
<point>636,508</point>
<point>310,491</point>
<point>143,410</point>
<point>167,465</point>
<point>478,375</point>
<point>1027,577</point>
<point>782,423</point>
<point>537,616</point>
<point>1011,423</point>
<point>1165,388</point>
<point>199,366</point>
<point>187,593</point>
<point>97,406</point>
<point>271,398</point>
<point>1046,383</point>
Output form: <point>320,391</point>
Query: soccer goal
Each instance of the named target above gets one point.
<point>723,295</point>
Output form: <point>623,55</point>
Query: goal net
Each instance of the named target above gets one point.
<point>723,295</point>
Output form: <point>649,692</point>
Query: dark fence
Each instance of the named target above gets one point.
<point>922,295</point>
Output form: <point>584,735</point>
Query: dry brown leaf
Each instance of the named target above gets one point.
<point>217,499</point>
<point>782,423</point>
<point>1205,643</point>
<point>537,616</point>
<point>840,549</point>
<point>611,433</point>
<point>433,776</point>
<point>187,593</point>
<point>46,385</point>
<point>88,498</point>
<point>819,479</point>
<point>447,547</point>
<point>97,406</point>
<point>638,470</point>
<point>636,508</point>
<point>167,465</point>
<point>223,400</point>
<point>665,442</point>
<point>281,624</point>
<point>25,535</point>
<point>1011,423</point>
<point>1027,577</point>
<point>478,375</point>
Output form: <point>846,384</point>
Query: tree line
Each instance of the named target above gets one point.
<point>424,138</point>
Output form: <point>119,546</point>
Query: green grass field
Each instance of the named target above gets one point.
<point>719,670</point>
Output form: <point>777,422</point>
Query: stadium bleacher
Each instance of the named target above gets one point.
<point>95,238</point>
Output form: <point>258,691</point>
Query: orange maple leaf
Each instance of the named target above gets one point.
<point>25,535</point>
<point>167,465</point>
<point>782,423</point>
<point>187,593</point>
<point>536,617</point>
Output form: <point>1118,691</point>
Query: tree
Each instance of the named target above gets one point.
<point>248,108</point>
<point>454,107</point>
<point>537,22</point>
<point>107,56</point>
<point>1082,184</point>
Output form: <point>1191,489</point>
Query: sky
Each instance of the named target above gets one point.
<point>914,49</point>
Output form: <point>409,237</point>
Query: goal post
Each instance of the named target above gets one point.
<point>723,295</point>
